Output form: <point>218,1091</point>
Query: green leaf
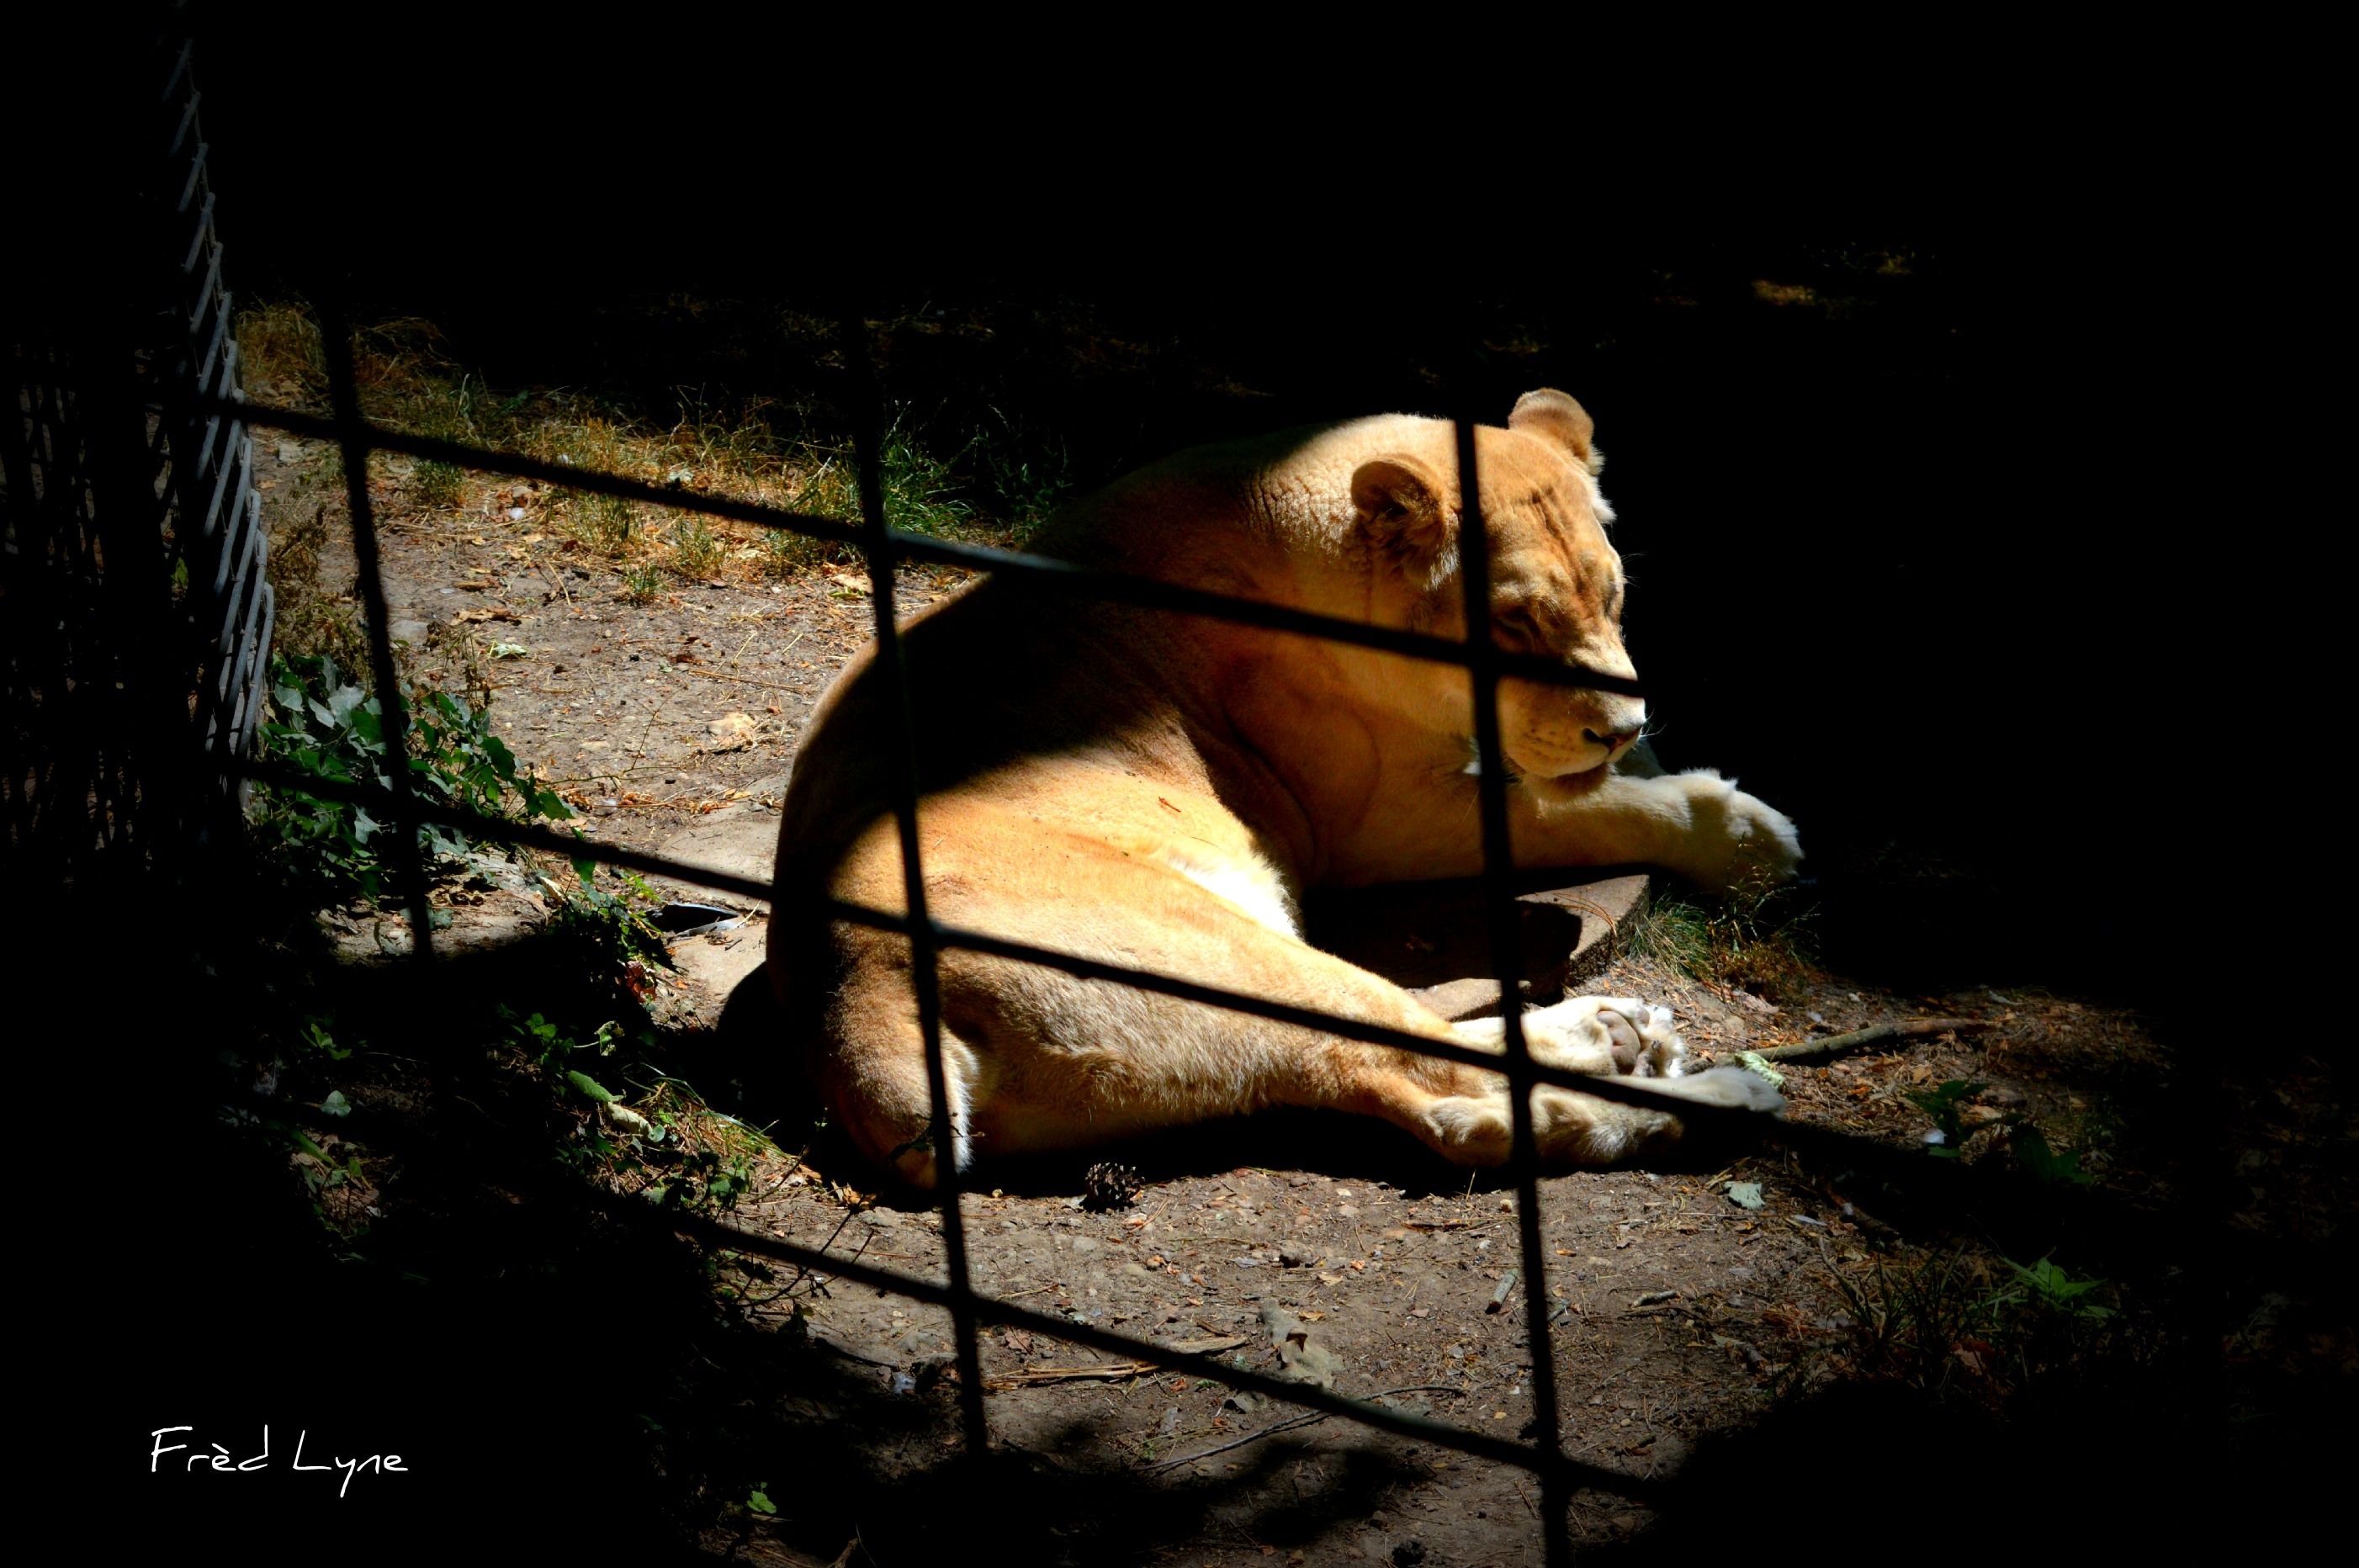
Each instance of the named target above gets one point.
<point>335,1105</point>
<point>2033,1153</point>
<point>760,1501</point>
<point>1939,1101</point>
<point>591,1086</point>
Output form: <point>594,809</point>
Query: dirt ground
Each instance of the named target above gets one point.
<point>1696,1308</point>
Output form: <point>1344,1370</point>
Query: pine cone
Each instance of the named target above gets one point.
<point>1109,1185</point>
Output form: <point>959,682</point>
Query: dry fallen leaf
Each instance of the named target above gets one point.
<point>732,732</point>
<point>1301,1358</point>
<point>1209,1345</point>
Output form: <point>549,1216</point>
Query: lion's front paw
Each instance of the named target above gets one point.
<point>1733,839</point>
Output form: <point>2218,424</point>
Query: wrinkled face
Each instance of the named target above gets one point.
<point>1556,592</point>
<point>1556,589</point>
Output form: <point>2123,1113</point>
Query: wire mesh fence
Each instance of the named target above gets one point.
<point>886,547</point>
<point>180,433</point>
<point>135,611</point>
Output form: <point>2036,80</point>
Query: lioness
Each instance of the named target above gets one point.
<point>1156,790</point>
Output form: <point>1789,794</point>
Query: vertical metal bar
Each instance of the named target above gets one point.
<point>924,947</point>
<point>1506,961</point>
<point>336,339</point>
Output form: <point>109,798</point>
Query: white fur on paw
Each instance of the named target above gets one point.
<point>1661,1053</point>
<point>1733,837</point>
<point>1477,1127</point>
<point>1607,1035</point>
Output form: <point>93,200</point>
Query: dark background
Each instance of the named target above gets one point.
<point>1929,557</point>
<point>1895,545</point>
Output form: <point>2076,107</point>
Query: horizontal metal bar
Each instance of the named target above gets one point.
<point>1634,1092</point>
<point>1463,1439</point>
<point>1855,1151</point>
<point>1081,581</point>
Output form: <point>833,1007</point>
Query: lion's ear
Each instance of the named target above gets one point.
<point>1553,417</point>
<point>1399,505</point>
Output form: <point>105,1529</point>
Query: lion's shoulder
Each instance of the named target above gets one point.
<point>1293,488</point>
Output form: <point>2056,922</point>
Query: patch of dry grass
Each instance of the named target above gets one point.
<point>1753,940</point>
<point>975,488</point>
<point>312,615</point>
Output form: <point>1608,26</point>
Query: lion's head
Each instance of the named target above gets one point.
<point>1555,583</point>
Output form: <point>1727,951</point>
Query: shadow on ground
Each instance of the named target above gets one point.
<point>558,1374</point>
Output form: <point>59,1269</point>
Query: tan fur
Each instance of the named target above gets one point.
<point>1156,790</point>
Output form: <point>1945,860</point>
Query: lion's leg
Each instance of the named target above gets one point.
<point>1697,825</point>
<point>1039,1058</point>
<point>874,1073</point>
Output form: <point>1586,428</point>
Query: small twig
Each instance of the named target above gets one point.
<point>1107,1371</point>
<point>1499,1302</point>
<point>845,1351</point>
<point>802,1270</point>
<point>741,679</point>
<point>1314,1418</point>
<point>1859,1039</point>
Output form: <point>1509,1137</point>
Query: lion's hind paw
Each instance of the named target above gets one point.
<point>1616,1036</point>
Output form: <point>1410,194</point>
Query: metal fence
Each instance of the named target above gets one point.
<point>886,547</point>
<point>136,623</point>
<point>131,538</point>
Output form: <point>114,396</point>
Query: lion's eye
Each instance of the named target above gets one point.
<point>1519,623</point>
